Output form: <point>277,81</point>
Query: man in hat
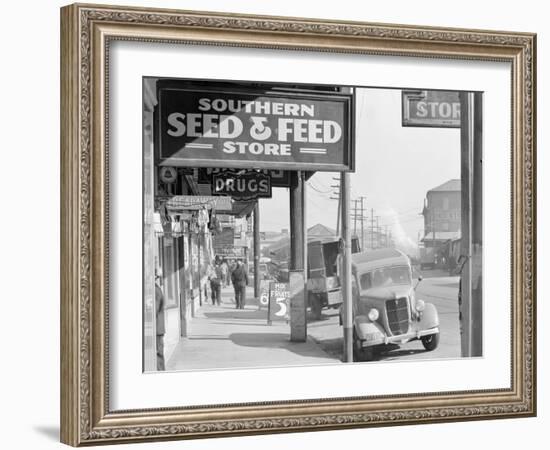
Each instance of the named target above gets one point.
<point>239,278</point>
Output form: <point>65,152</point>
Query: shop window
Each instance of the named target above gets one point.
<point>170,271</point>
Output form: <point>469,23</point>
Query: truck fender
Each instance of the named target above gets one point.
<point>363,327</point>
<point>430,318</point>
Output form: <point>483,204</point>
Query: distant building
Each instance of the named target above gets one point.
<point>268,238</point>
<point>442,214</point>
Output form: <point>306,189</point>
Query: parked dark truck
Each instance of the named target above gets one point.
<point>428,258</point>
<point>323,283</point>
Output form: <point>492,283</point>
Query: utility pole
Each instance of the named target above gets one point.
<point>372,228</point>
<point>355,216</point>
<point>345,273</point>
<point>336,192</point>
<point>377,232</point>
<point>471,176</point>
<point>360,216</point>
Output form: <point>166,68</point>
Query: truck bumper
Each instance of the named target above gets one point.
<point>380,339</point>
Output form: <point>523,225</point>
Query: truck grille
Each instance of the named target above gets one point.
<point>397,312</point>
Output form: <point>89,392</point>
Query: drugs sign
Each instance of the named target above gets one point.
<point>248,129</point>
<point>278,178</point>
<point>241,185</point>
<point>430,109</point>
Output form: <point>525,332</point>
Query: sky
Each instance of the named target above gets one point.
<point>395,167</point>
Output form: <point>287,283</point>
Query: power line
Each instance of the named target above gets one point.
<point>317,189</point>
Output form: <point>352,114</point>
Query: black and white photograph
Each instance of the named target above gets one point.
<point>299,224</point>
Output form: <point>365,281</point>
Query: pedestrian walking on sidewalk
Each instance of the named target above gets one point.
<point>161,328</point>
<point>215,278</point>
<point>225,273</point>
<point>239,278</point>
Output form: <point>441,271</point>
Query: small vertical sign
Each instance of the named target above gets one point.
<point>264,294</point>
<point>279,296</point>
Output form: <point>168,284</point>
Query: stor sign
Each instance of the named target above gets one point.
<point>254,129</point>
<point>431,109</point>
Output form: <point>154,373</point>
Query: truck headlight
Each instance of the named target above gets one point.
<point>420,305</point>
<point>373,314</point>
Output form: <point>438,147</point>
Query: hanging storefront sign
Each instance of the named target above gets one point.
<point>242,185</point>
<point>225,238</point>
<point>430,109</point>
<point>279,178</point>
<point>268,129</point>
<point>168,174</point>
<point>197,202</point>
<point>230,252</point>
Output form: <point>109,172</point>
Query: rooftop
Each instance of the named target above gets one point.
<point>320,230</point>
<point>449,186</point>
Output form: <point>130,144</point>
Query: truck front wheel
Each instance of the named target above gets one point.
<point>431,341</point>
<point>361,353</point>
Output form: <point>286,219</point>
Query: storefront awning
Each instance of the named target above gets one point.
<point>221,204</point>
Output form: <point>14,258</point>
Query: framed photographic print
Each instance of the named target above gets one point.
<point>276,224</point>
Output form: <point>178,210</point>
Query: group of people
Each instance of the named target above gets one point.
<point>220,275</point>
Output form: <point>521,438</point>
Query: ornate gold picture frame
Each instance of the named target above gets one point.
<point>87,31</point>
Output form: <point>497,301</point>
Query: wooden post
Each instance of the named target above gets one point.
<point>304,233</point>
<point>345,274</point>
<point>257,250</point>
<point>471,224</point>
<point>181,276</point>
<point>298,325</point>
<point>477,229</point>
<point>150,241</point>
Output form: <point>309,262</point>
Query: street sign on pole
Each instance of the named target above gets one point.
<point>430,109</point>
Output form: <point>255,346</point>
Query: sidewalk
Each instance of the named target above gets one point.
<point>223,337</point>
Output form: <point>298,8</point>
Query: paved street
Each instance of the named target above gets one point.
<point>436,288</point>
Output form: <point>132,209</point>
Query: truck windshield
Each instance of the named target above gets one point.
<point>386,277</point>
